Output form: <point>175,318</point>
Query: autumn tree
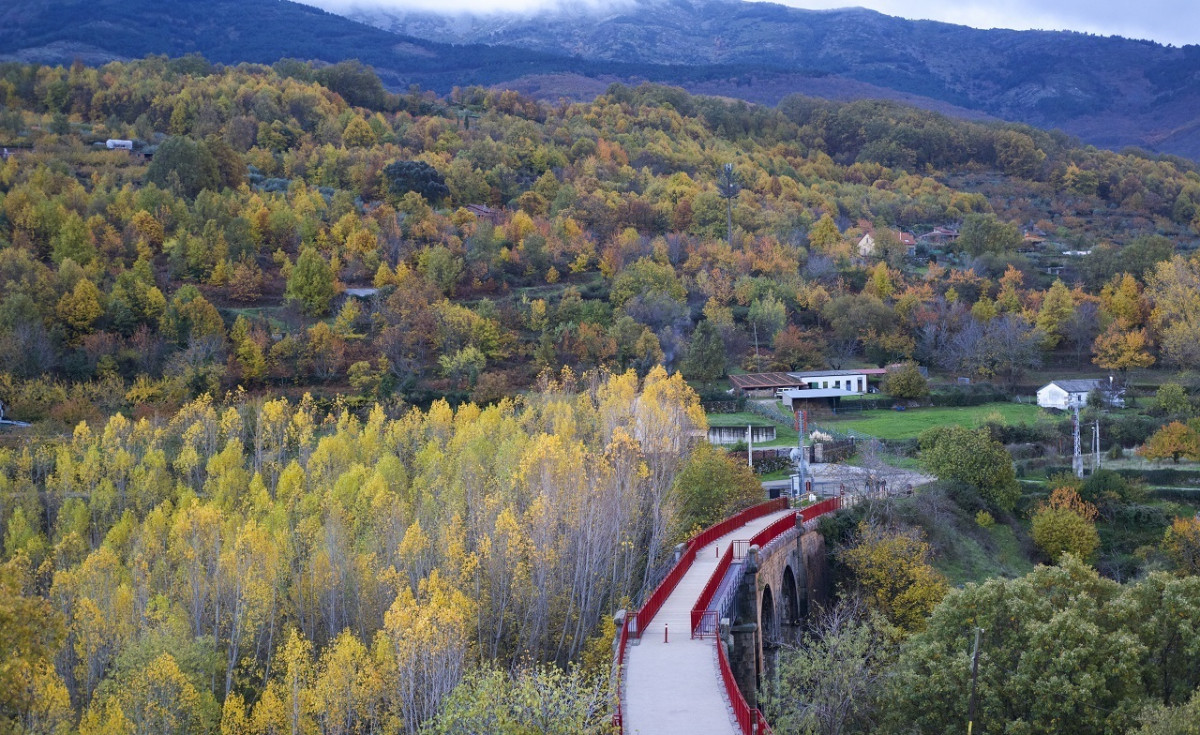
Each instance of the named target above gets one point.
<point>1174,440</point>
<point>1121,349</point>
<point>1173,290</point>
<point>892,569</point>
<point>1066,524</point>
<point>30,633</point>
<point>1181,542</point>
<point>1057,307</point>
<point>799,349</point>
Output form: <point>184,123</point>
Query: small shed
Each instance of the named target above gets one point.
<point>725,435</point>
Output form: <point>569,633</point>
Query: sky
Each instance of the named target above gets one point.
<point>1166,21</point>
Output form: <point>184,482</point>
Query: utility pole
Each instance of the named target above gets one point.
<point>974,679</point>
<point>1096,446</point>
<point>750,445</point>
<point>1077,457</point>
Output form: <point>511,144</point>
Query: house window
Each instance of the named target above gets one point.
<point>824,383</point>
<point>837,384</point>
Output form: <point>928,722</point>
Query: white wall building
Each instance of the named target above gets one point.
<point>1067,394</point>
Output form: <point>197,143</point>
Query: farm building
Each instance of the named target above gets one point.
<point>1067,394</point>
<point>773,385</point>
<point>759,433</point>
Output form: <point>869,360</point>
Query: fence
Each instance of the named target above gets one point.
<point>652,604</point>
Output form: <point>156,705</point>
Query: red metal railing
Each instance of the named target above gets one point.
<point>710,589</point>
<point>748,719</point>
<point>637,622</point>
<point>622,644</point>
<point>656,599</point>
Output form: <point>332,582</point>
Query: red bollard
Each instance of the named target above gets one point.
<point>664,632</point>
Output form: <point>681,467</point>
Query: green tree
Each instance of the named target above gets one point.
<point>1056,659</point>
<point>643,277</point>
<point>972,457</point>
<point>906,381</point>
<point>983,233</point>
<point>1171,399</point>
<point>729,185</point>
<point>832,682</point>
<point>1183,719</point>
<point>711,486</point>
<point>184,166</point>
<point>543,699</point>
<point>767,317</point>
<point>311,283</point>
<point>706,360</point>
<point>416,176</point>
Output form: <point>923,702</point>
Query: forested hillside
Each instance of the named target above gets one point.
<point>362,412</point>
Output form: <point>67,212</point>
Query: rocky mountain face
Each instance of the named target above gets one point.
<point>1110,91</point>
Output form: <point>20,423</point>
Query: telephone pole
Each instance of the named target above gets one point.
<point>1077,457</point>
<point>974,679</point>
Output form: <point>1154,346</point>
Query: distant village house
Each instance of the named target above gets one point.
<point>1067,394</point>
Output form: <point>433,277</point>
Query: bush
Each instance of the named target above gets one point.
<point>985,519</point>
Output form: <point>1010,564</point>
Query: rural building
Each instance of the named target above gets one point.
<point>1067,394</point>
<point>763,385</point>
<point>866,244</point>
<point>760,433</point>
<point>773,385</point>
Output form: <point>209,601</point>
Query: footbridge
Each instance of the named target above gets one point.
<point>691,658</point>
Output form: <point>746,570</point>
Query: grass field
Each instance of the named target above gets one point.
<point>888,424</point>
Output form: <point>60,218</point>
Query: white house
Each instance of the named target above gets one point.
<point>854,382</point>
<point>1066,394</point>
<point>866,245</point>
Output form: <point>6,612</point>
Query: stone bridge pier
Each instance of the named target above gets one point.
<point>782,584</point>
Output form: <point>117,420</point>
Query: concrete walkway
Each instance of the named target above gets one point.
<point>676,687</point>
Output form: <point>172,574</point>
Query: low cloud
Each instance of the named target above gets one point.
<point>1166,21</point>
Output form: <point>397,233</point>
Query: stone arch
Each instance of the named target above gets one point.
<point>766,612</point>
<point>790,607</point>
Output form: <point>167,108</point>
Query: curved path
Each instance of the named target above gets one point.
<point>676,687</point>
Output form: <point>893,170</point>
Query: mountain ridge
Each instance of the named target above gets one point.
<point>1109,91</point>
